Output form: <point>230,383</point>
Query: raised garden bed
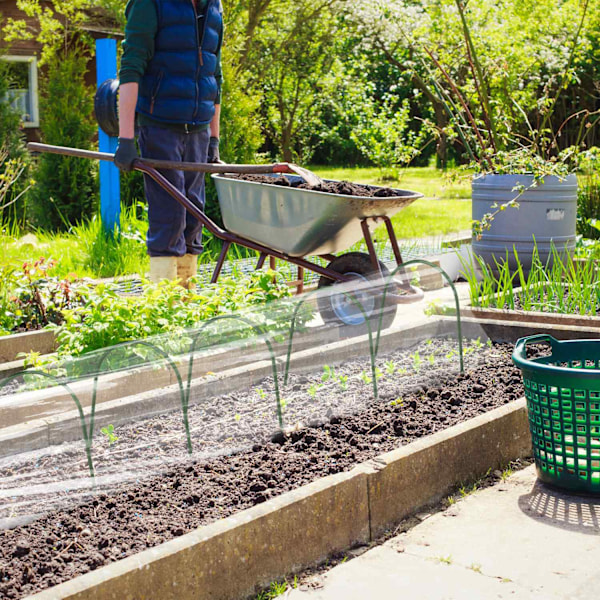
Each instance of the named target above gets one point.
<point>342,426</point>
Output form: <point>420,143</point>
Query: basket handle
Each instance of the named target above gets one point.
<point>520,352</point>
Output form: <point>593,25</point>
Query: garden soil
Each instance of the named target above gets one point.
<point>122,520</point>
<point>344,188</point>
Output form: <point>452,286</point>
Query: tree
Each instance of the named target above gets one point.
<point>65,191</point>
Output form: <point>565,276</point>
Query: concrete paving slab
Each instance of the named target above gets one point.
<point>518,539</point>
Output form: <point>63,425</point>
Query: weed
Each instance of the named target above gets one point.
<point>261,393</point>
<point>109,432</point>
<point>390,367</point>
<point>475,567</point>
<point>431,359</point>
<point>237,417</point>
<point>506,473</point>
<point>378,373</point>
<point>397,402</point>
<point>447,560</point>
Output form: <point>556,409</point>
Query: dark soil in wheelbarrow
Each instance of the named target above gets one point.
<point>121,520</point>
<point>345,188</point>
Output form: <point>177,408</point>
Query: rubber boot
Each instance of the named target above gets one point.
<point>187,266</point>
<point>162,267</point>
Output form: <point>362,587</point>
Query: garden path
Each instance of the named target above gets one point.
<point>517,539</point>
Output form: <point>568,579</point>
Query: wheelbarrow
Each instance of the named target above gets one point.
<point>292,224</point>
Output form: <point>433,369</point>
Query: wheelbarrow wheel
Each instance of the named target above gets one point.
<point>364,300</point>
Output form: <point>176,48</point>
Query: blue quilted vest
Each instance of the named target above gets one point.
<point>179,85</point>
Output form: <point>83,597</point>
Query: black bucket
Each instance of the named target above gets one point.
<point>105,107</point>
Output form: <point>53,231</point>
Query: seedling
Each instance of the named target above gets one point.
<point>477,343</point>
<point>328,373</point>
<point>237,417</point>
<point>365,378</point>
<point>312,390</point>
<point>416,357</point>
<point>343,382</point>
<point>397,402</point>
<point>431,359</point>
<point>261,393</point>
<point>447,560</point>
<point>109,432</point>
<point>390,367</point>
<point>475,567</point>
<point>489,343</point>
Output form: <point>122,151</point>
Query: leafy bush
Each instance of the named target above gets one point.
<point>65,193</point>
<point>31,299</point>
<point>107,318</point>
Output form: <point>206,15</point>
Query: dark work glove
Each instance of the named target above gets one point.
<point>125,154</point>
<point>213,150</point>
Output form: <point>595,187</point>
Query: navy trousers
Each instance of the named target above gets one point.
<point>172,230</point>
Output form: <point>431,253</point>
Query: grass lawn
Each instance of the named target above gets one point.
<point>84,252</point>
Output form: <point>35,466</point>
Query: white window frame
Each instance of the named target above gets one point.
<point>33,86</point>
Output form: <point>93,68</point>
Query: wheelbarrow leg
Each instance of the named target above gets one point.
<point>370,245</point>
<point>405,283</point>
<point>220,262</point>
<point>261,261</point>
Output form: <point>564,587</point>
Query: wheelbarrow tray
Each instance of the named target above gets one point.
<point>299,222</point>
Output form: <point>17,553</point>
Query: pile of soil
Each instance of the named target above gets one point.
<point>345,188</point>
<point>135,516</point>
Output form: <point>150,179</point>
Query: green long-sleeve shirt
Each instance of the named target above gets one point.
<point>138,45</point>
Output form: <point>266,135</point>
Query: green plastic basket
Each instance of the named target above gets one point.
<point>563,405</point>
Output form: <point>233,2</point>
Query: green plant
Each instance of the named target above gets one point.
<point>343,382</point>
<point>312,390</point>
<point>105,317</point>
<point>431,359</point>
<point>328,373</point>
<point>397,402</point>
<point>365,378</point>
<point>562,285</point>
<point>109,432</point>
<point>390,367</point>
<point>65,191</point>
<point>261,393</point>
<point>417,362</point>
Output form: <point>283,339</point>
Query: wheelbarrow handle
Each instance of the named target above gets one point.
<point>165,164</point>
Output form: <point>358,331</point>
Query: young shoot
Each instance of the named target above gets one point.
<point>416,358</point>
<point>312,390</point>
<point>365,378</point>
<point>261,393</point>
<point>109,433</point>
<point>390,367</point>
<point>328,373</point>
<point>343,382</point>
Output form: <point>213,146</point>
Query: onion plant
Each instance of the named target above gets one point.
<point>561,285</point>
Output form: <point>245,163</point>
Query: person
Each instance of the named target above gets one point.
<point>170,77</point>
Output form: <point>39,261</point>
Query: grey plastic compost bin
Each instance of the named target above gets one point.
<point>546,215</point>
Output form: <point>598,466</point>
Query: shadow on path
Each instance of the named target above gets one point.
<point>567,511</point>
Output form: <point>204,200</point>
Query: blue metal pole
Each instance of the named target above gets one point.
<point>110,193</point>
